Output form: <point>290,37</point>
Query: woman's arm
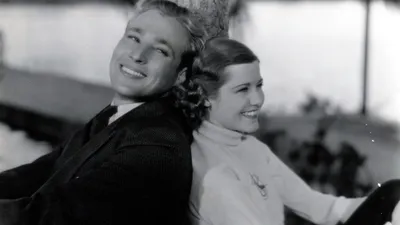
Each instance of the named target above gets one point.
<point>306,202</point>
<point>396,215</point>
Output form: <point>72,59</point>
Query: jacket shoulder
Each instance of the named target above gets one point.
<point>165,130</point>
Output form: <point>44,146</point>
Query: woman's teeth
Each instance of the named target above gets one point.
<point>251,114</point>
<point>131,73</point>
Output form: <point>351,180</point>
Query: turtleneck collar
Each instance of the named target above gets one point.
<point>220,134</point>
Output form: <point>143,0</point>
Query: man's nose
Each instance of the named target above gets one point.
<point>138,55</point>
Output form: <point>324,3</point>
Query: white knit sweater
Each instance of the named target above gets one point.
<point>239,181</point>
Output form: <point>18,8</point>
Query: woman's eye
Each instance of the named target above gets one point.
<point>243,89</point>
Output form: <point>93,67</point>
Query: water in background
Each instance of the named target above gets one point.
<point>16,148</point>
<point>75,41</point>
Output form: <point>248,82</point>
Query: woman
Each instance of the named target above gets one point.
<point>237,179</point>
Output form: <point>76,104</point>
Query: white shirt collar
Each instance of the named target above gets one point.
<point>122,110</point>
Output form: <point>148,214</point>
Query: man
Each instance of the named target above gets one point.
<point>133,167</point>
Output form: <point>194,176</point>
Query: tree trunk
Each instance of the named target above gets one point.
<point>212,13</point>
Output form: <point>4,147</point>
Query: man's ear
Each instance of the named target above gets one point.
<point>181,76</point>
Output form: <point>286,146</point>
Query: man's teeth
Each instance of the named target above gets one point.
<point>251,113</point>
<point>131,72</point>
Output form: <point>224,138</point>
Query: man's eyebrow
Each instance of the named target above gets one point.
<point>135,29</point>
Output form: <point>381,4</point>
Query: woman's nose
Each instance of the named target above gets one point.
<point>257,98</point>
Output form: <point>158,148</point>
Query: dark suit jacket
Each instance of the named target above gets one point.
<point>138,170</point>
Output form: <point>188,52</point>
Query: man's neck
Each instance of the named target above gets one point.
<point>121,100</point>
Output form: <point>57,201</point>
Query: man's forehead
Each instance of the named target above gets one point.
<point>153,21</point>
<point>163,28</point>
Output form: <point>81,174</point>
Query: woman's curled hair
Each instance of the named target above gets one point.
<point>190,97</point>
<point>206,75</point>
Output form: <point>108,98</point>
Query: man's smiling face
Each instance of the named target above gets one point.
<point>146,59</point>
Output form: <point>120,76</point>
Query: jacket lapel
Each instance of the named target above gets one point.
<point>77,141</point>
<point>76,160</point>
<point>79,157</point>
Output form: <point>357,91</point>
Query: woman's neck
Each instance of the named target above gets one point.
<point>219,125</point>
<point>220,134</point>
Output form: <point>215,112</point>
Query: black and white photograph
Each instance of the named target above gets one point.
<point>200,112</point>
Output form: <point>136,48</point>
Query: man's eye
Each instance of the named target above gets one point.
<point>134,38</point>
<point>165,53</point>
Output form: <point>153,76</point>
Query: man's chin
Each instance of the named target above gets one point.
<point>125,92</point>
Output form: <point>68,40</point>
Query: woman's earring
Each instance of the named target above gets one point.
<point>207,104</point>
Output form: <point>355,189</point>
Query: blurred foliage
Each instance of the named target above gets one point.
<point>328,170</point>
<point>318,106</point>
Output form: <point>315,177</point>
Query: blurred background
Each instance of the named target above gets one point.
<point>332,84</point>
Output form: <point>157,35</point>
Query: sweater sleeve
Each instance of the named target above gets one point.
<point>310,204</point>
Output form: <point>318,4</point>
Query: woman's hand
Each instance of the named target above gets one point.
<point>395,216</point>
